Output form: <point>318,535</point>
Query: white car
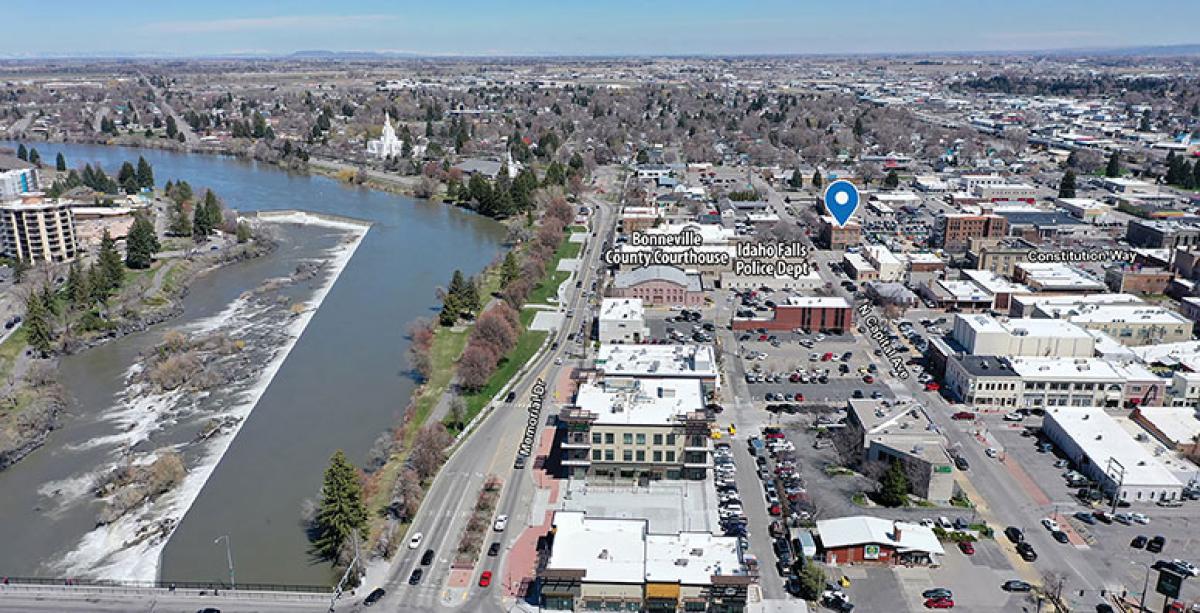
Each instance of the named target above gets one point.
<point>1013,416</point>
<point>991,452</point>
<point>415,541</point>
<point>1187,567</point>
<point>1050,524</point>
<point>1139,518</point>
<point>501,522</point>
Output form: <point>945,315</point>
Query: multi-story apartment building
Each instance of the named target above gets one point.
<point>952,231</point>
<point>637,430</point>
<point>37,230</point>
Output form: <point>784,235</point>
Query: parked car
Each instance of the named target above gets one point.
<point>1086,518</point>
<point>1138,541</point>
<point>963,415</point>
<point>1050,524</point>
<point>939,603</point>
<point>966,547</point>
<point>937,592</point>
<point>1156,544</point>
<point>1025,550</point>
<point>1060,536</point>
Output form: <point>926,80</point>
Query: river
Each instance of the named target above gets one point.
<point>343,382</point>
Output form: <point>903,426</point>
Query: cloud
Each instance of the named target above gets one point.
<point>257,24</point>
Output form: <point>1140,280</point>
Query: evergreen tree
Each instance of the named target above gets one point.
<point>1175,166</point>
<point>22,152</point>
<point>555,174</point>
<point>78,292</point>
<point>858,127</point>
<point>796,181</point>
<point>817,181</point>
<point>110,262</point>
<point>145,173</point>
<point>1114,165</point>
<point>141,244</point>
<point>448,316</point>
<point>37,324</point>
<point>893,488</point>
<point>34,157</point>
<point>509,270</point>
<point>892,180</point>
<point>1066,187</point>
<point>342,513</point>
<point>470,296</point>
<point>181,224</point>
<point>98,284</point>
<point>60,163</point>
<point>1196,174</point>
<point>172,129</point>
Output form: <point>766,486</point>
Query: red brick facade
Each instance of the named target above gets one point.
<point>812,319</point>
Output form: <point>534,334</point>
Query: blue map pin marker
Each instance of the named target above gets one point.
<point>841,200</point>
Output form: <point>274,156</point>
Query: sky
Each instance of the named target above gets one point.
<point>586,27</point>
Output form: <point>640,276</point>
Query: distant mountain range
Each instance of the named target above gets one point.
<point>1178,50</point>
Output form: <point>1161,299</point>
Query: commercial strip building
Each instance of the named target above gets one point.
<point>660,286</point>
<point>1108,454</point>
<point>1054,306</point>
<point>1133,325</point>
<point>1003,383</point>
<point>1055,277</point>
<point>809,313</point>
<point>601,564</point>
<point>874,540</point>
<point>979,334</point>
<point>882,433</point>
<point>622,320</point>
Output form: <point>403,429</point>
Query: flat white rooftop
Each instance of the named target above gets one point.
<point>1139,314</point>
<point>650,402</point>
<point>1101,438</point>
<point>818,302</point>
<point>622,309</point>
<point>993,282</point>
<point>623,551</point>
<point>1075,369</point>
<point>657,360</point>
<point>863,529</point>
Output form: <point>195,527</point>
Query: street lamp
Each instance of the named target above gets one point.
<point>1145,584</point>
<point>228,558</point>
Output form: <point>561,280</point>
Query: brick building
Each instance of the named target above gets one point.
<point>953,231</point>
<point>813,314</point>
<point>833,236</point>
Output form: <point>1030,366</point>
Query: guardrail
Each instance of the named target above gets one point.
<point>84,586</point>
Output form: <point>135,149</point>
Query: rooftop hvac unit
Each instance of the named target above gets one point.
<point>698,552</point>
<point>681,562</point>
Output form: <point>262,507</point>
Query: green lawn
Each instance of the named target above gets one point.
<point>10,350</point>
<point>527,344</point>
<point>447,346</point>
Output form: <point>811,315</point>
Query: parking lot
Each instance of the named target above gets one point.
<point>822,369</point>
<point>1108,544</point>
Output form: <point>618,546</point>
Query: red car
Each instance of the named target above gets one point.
<point>939,603</point>
<point>485,579</point>
<point>762,337</point>
<point>967,548</point>
<point>827,357</point>
<point>775,510</point>
<point>774,435</point>
<point>932,386</point>
<point>799,397</point>
<point>963,415</point>
<point>868,379</point>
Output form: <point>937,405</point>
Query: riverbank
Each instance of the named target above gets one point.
<point>129,547</point>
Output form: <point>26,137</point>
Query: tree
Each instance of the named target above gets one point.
<point>817,181</point>
<point>1114,165</point>
<point>796,181</point>
<point>109,262</point>
<point>20,267</point>
<point>509,270</point>
<point>244,233</point>
<point>448,316</point>
<point>34,157</point>
<point>60,163</point>
<point>38,330</point>
<point>893,488</point>
<point>342,513</point>
<point>812,581</point>
<point>141,244</point>
<point>127,178</point>
<point>172,129</point>
<point>892,180</point>
<point>22,152</point>
<point>145,174</point>
<point>77,290</point>
<point>1066,187</point>
<point>206,216</point>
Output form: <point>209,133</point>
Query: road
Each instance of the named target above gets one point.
<point>490,450</point>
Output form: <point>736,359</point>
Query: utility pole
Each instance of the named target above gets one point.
<point>337,591</point>
<point>228,558</point>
